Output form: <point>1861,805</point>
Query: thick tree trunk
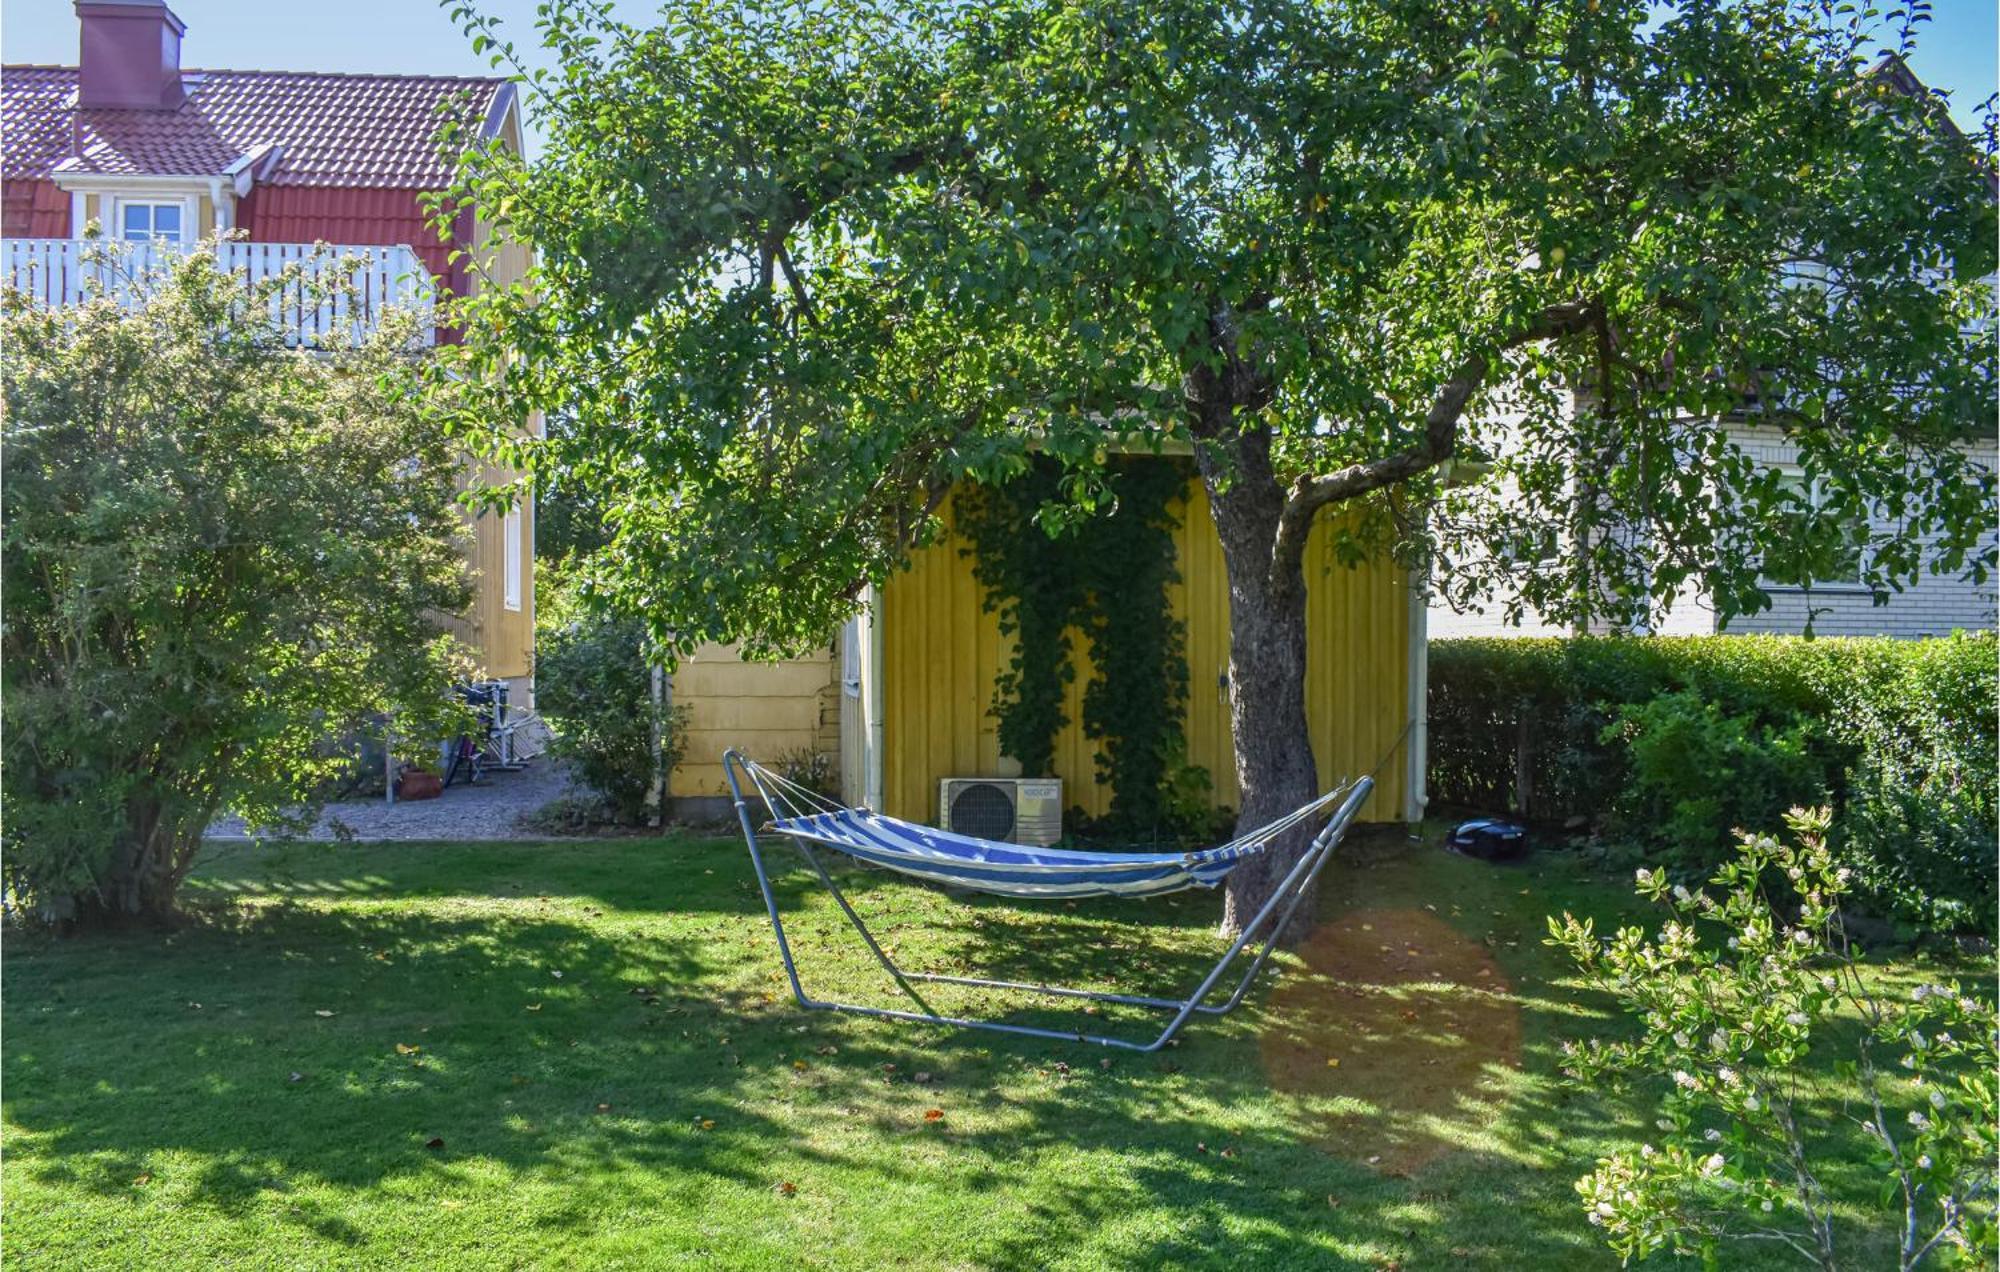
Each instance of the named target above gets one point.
<point>1275,772</point>
<point>141,884</point>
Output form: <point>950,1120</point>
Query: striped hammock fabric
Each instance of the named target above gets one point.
<point>1013,870</point>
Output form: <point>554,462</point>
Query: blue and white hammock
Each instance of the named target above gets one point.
<point>1017,870</point>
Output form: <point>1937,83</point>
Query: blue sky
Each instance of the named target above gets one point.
<point>1957,51</point>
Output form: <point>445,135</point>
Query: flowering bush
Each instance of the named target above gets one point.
<point>1736,1028</point>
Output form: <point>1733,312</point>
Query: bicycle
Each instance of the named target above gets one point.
<point>499,748</point>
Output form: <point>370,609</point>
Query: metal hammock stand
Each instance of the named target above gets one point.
<point>1019,871</point>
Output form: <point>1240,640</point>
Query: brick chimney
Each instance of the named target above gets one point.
<point>129,55</point>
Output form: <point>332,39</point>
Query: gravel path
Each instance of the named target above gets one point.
<point>490,810</point>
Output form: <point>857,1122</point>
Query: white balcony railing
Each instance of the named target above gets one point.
<point>58,272</point>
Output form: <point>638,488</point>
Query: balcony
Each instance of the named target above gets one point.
<point>309,308</point>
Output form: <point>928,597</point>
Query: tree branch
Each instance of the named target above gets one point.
<point>1309,494</point>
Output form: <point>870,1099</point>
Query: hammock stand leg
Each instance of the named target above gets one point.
<point>1290,893</point>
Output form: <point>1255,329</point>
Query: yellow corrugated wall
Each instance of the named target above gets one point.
<point>941,653</point>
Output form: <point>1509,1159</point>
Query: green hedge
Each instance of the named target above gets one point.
<point>1666,743</point>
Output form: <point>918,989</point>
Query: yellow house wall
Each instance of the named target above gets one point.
<point>942,652</point>
<point>502,639</point>
<point>766,709</point>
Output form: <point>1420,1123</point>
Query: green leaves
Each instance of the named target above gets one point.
<point>221,555</point>
<point>1731,1026</point>
<point>803,268</point>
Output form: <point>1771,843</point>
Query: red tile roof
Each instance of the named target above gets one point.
<point>328,130</point>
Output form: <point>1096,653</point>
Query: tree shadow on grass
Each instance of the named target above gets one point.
<point>666,1060</point>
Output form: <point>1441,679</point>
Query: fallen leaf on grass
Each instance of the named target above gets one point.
<point>786,1188</point>
<point>828,1050</point>
<point>296,1077</point>
<point>933,1115</point>
<point>800,1065</point>
<point>534,1006</point>
<point>434,1143</point>
<point>1333,1062</point>
<point>604,1108</point>
<point>557,975</point>
<point>405,1049</point>
<point>322,1014</point>
<point>920,1078</point>
<point>708,1124</point>
<point>142,1179</point>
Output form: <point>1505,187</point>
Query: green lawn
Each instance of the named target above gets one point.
<point>598,1036</point>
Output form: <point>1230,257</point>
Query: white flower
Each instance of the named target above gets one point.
<point>1645,1150</point>
<point>1801,937</point>
<point>1920,993</point>
<point>1795,1018</point>
<point>1767,1205</point>
<point>1718,1040</point>
<point>1924,1161</point>
<point>1919,1121</point>
<point>1681,894</point>
<point>1843,874</point>
<point>1680,1038</point>
<point>1712,1135</point>
<point>1937,1099</point>
<point>1727,1074</point>
<point>1684,1080</point>
<point>1917,1040</point>
<point>1712,1165</point>
<point>1794,874</point>
<point>1750,1102</point>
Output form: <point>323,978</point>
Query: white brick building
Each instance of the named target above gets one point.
<point>1933,605</point>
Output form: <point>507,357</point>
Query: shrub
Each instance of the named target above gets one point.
<point>1663,741</point>
<point>817,771</point>
<point>1696,770</point>
<point>220,554</point>
<point>1730,1029</point>
<point>593,683</point>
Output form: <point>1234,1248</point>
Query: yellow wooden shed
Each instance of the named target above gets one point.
<point>903,695</point>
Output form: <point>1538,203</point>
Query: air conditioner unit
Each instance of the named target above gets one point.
<point>1019,810</point>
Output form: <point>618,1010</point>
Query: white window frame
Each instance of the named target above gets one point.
<point>511,559</point>
<point>119,203</point>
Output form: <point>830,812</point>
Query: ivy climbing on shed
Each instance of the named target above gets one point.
<point>1107,577</point>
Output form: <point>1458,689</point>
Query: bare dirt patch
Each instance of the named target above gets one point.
<point>1398,1018</point>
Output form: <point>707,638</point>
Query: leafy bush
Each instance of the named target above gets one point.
<point>1731,1027</point>
<point>1664,741</point>
<point>593,683</point>
<point>220,554</point>
<point>1696,771</point>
